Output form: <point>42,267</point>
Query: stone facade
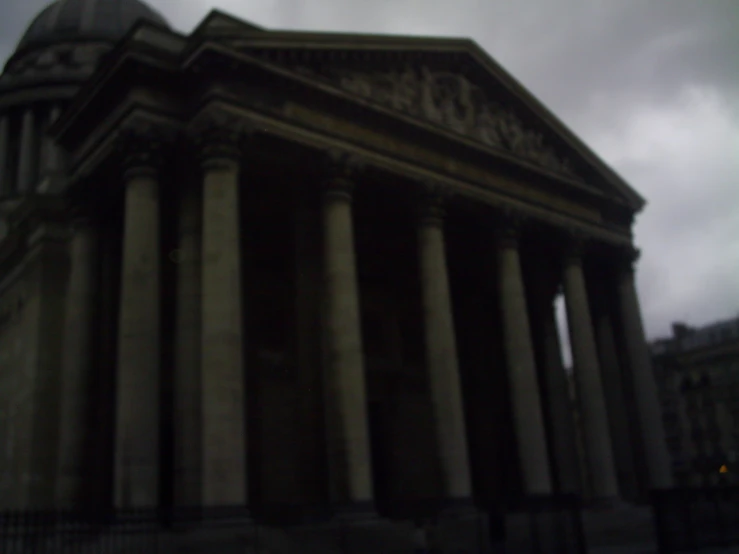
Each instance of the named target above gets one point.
<point>697,371</point>
<point>289,269</point>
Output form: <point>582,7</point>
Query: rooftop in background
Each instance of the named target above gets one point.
<point>685,338</point>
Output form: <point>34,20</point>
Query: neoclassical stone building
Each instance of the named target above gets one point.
<point>261,267</point>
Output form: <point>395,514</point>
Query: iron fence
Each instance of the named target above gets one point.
<point>554,523</point>
<point>547,524</point>
<point>689,519</point>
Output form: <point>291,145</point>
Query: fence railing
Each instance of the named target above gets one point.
<point>552,524</point>
<point>688,519</point>
<point>547,524</point>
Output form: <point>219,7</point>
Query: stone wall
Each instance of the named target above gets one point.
<point>31,338</point>
<point>19,314</point>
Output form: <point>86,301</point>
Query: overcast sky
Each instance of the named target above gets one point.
<point>651,85</point>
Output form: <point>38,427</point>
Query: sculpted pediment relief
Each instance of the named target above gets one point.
<point>452,101</point>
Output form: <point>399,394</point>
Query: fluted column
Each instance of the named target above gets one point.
<point>5,186</point>
<point>188,453</point>
<point>77,365</point>
<point>224,440</point>
<point>642,376</point>
<point>521,365</point>
<point>28,155</point>
<point>560,408</point>
<point>596,435</point>
<point>441,348</point>
<point>139,334</point>
<point>348,424</point>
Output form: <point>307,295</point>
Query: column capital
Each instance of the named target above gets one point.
<point>576,244</point>
<point>140,146</point>
<point>80,218</point>
<point>627,257</point>
<point>220,137</point>
<point>509,225</point>
<point>431,202</point>
<point>341,170</point>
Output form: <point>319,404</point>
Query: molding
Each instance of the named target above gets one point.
<point>209,53</point>
<point>463,53</point>
<point>451,161</point>
<point>323,141</point>
<point>107,141</point>
<point>47,93</point>
<point>450,100</point>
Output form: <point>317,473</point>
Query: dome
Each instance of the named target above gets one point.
<point>86,19</point>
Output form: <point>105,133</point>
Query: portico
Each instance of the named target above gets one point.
<point>333,284</point>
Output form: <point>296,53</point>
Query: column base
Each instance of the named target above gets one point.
<point>217,516</point>
<point>606,504</point>
<point>457,507</point>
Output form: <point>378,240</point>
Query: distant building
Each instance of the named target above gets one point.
<point>698,375</point>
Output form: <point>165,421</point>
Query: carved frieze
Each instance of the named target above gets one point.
<point>452,101</point>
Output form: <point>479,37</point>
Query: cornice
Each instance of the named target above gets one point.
<point>464,52</point>
<point>103,143</point>
<point>214,57</point>
<point>132,66</point>
<point>20,97</point>
<point>384,161</point>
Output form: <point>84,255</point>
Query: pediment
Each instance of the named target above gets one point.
<point>455,103</point>
<point>450,83</point>
<point>217,22</point>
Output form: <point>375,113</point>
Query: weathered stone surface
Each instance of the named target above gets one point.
<point>450,100</point>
